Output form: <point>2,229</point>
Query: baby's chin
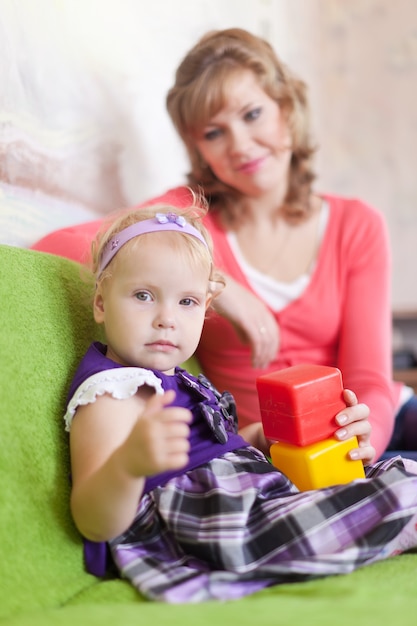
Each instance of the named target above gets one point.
<point>161,361</point>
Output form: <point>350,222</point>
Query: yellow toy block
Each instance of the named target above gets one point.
<point>319,464</point>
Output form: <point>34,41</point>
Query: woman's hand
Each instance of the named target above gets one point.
<point>354,421</point>
<point>252,320</point>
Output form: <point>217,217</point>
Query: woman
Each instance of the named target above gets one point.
<point>308,274</point>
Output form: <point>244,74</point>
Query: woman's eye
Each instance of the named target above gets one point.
<point>253,114</point>
<point>209,135</point>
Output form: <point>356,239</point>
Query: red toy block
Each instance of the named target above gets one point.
<point>298,404</point>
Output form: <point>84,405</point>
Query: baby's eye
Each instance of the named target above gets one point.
<point>253,114</point>
<point>187,301</point>
<point>143,296</point>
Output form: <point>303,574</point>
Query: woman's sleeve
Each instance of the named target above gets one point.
<point>365,348</point>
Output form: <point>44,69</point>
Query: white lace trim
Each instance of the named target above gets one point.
<point>121,382</point>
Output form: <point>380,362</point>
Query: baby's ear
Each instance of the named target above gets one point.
<point>98,307</point>
<point>216,285</point>
<point>209,300</point>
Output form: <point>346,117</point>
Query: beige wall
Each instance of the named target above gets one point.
<point>360,59</point>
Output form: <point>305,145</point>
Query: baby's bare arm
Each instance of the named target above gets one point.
<point>115,444</point>
<point>254,434</point>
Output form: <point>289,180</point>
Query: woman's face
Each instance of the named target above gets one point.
<point>247,144</point>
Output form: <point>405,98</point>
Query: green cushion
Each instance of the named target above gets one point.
<point>45,327</point>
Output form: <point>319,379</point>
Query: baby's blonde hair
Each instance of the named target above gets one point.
<point>197,253</point>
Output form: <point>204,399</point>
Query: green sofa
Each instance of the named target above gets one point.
<point>46,325</point>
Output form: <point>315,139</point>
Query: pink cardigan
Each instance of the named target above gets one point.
<point>342,319</point>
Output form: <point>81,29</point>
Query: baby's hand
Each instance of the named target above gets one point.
<point>159,440</point>
<point>354,421</point>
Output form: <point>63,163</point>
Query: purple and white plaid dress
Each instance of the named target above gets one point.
<point>234,524</point>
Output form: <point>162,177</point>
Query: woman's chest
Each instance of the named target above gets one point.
<point>281,250</point>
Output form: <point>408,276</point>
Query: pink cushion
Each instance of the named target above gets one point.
<point>74,242</point>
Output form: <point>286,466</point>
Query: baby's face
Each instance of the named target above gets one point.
<point>153,307</point>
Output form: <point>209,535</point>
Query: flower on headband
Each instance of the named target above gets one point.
<point>164,218</point>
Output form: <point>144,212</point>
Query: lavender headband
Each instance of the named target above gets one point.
<point>161,221</point>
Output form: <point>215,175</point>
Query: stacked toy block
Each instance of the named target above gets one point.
<point>298,408</point>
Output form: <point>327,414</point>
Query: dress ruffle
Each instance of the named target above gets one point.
<point>121,383</point>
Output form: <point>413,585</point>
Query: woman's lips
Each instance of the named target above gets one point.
<point>251,166</point>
